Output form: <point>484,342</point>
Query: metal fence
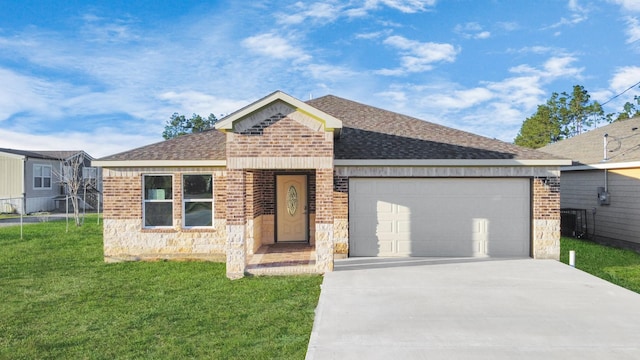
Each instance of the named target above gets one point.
<point>12,205</point>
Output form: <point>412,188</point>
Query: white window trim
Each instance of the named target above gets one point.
<point>145,201</point>
<point>185,200</point>
<point>42,177</point>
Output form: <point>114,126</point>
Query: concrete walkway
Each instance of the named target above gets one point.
<point>430,308</point>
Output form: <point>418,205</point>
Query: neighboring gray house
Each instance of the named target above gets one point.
<point>604,181</point>
<point>30,181</point>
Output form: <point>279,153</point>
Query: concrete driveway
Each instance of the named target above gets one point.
<point>430,308</point>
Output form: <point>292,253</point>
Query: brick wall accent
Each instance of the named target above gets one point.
<point>122,197</point>
<point>324,196</point>
<point>220,195</point>
<point>282,137</point>
<point>546,198</point>
<point>340,197</point>
<point>236,204</point>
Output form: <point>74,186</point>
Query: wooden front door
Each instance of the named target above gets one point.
<point>291,203</point>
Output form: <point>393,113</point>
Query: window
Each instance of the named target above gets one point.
<point>42,176</point>
<point>158,200</point>
<point>197,203</point>
<point>89,173</point>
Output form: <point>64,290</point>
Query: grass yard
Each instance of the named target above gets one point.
<point>621,267</point>
<point>61,301</point>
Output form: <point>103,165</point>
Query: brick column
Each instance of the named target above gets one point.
<point>324,220</point>
<point>236,220</point>
<point>340,217</point>
<point>546,218</point>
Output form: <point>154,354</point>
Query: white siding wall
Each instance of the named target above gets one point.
<point>621,219</point>
<point>11,183</point>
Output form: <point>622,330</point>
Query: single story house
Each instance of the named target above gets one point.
<point>31,181</point>
<point>348,178</point>
<point>604,181</point>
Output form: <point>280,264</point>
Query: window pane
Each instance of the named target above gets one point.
<point>46,171</point>
<point>47,182</point>
<point>158,214</point>
<point>198,214</point>
<point>37,182</point>
<point>37,170</point>
<point>198,187</point>
<point>157,187</point>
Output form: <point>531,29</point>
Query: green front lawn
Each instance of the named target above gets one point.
<point>59,300</point>
<point>621,267</point>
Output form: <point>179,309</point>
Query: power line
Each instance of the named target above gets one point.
<point>627,89</point>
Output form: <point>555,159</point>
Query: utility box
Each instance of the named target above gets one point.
<point>603,196</point>
<point>573,222</point>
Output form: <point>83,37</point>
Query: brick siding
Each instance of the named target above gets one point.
<point>546,198</point>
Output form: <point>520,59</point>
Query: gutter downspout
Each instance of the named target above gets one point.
<point>24,192</point>
<point>604,159</point>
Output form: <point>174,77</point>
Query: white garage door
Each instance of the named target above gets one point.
<point>439,217</point>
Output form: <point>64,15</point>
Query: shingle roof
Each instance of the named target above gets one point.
<point>206,145</point>
<point>38,154</point>
<point>62,154</point>
<point>623,144</point>
<point>372,133</point>
<point>368,133</point>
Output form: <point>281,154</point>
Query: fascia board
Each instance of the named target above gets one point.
<point>451,162</point>
<point>329,121</point>
<point>602,166</point>
<point>158,163</point>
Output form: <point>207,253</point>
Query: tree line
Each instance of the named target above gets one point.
<point>568,114</point>
<point>181,125</point>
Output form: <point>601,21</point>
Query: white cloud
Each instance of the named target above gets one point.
<point>373,35</point>
<point>195,102</point>
<point>577,14</point>
<point>328,72</point>
<point>20,93</point>
<point>633,29</point>
<point>537,49</point>
<point>472,30</point>
<point>554,68</point>
<point>275,46</point>
<point>418,56</point>
<point>462,99</point>
<point>628,5</point>
<point>100,29</point>
<point>404,6</point>
<point>561,67</point>
<point>319,11</point>
<point>624,77</point>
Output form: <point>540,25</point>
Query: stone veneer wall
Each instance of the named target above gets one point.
<point>545,199</point>
<point>324,220</point>
<point>125,237</point>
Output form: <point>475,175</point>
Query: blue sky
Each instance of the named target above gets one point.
<point>105,76</point>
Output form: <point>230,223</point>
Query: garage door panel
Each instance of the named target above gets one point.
<point>439,217</point>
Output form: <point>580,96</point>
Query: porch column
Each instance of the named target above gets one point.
<point>236,220</point>
<point>324,220</point>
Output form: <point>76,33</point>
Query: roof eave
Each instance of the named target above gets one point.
<point>157,163</point>
<point>602,166</point>
<point>452,162</point>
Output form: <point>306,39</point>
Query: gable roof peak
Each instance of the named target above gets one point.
<point>330,122</point>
